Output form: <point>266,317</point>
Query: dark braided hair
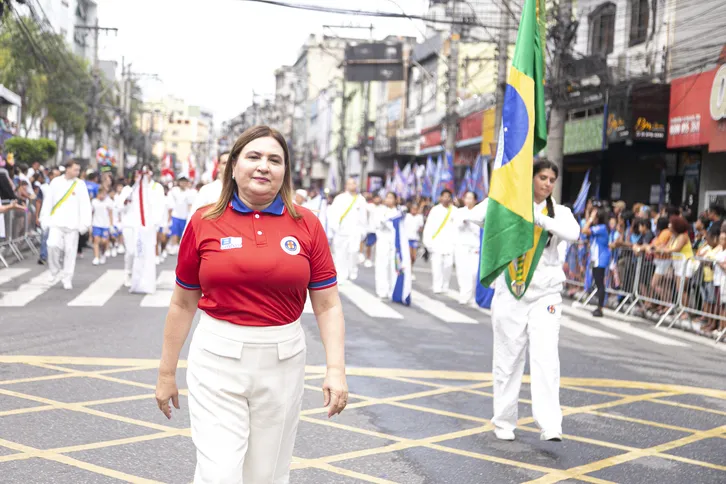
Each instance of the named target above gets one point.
<point>541,165</point>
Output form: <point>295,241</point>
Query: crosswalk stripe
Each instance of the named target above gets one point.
<point>164,289</point>
<point>585,329</point>
<point>27,292</point>
<point>641,333</point>
<point>7,275</point>
<point>439,309</point>
<point>100,290</point>
<point>366,302</point>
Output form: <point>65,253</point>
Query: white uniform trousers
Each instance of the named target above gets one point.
<point>385,266</point>
<point>62,242</point>
<point>245,395</point>
<point>441,265</point>
<point>345,255</point>
<point>467,268</point>
<point>129,234</point>
<point>516,325</point>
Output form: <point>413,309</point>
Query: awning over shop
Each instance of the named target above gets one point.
<point>9,97</point>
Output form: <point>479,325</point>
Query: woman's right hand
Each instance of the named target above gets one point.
<point>166,390</point>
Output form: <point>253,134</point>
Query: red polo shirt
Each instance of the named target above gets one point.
<point>254,267</point>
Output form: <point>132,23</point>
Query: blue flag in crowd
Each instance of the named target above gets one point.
<point>402,288</point>
<point>483,295</point>
<point>428,179</point>
<point>436,190</point>
<point>465,185</point>
<point>581,200</point>
<point>447,174</point>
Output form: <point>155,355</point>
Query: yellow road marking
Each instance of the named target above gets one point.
<point>480,380</point>
<point>576,472</point>
<point>689,407</point>
<point>112,443</point>
<point>347,473</point>
<point>692,461</point>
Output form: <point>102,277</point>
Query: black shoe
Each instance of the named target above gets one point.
<point>597,313</point>
<point>41,262</point>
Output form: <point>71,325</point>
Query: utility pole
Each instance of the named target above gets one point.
<point>558,111</point>
<point>341,141</point>
<point>502,62</point>
<point>452,77</point>
<point>122,118</point>
<point>96,84</point>
<point>363,150</point>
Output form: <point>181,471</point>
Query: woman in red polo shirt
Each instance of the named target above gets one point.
<point>248,263</point>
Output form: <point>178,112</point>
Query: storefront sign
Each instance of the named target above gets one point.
<point>583,135</point>
<point>431,137</point>
<point>649,110</point>
<point>651,130</point>
<point>698,111</point>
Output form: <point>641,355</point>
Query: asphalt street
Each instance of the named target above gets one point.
<point>78,368</point>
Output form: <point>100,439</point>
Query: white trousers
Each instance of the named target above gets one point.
<point>467,267</point>
<point>345,255</point>
<point>516,325</point>
<point>62,243</point>
<point>441,265</point>
<point>245,395</point>
<point>385,266</point>
<point>129,234</point>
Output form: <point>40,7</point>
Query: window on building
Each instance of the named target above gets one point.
<point>639,16</point>
<point>602,29</point>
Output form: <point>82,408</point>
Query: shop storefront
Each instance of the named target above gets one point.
<point>697,130</point>
<point>639,166</point>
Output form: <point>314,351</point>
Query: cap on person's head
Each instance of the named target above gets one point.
<point>182,179</point>
<point>302,193</point>
<point>62,169</point>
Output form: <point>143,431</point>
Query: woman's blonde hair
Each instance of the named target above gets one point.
<point>229,186</point>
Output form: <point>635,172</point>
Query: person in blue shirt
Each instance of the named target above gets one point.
<point>596,228</point>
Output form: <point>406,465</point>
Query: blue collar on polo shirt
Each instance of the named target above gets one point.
<point>277,207</point>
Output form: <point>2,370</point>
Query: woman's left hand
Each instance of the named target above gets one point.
<point>335,391</point>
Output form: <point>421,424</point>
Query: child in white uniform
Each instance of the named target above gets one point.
<point>102,207</point>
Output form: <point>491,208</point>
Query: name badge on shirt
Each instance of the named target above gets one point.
<point>230,243</point>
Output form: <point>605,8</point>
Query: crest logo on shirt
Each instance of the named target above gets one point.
<point>290,245</point>
<point>230,243</point>
<point>551,309</point>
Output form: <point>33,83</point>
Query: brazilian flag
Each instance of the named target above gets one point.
<point>510,238</point>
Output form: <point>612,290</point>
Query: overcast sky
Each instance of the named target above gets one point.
<point>214,53</point>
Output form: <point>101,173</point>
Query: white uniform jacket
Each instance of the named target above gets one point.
<point>355,223</point>
<point>74,213</point>
<point>549,276</point>
<point>443,243</point>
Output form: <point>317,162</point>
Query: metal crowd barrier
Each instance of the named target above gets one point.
<point>661,287</point>
<point>20,234</point>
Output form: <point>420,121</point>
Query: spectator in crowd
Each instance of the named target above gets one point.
<point>708,290</point>
<point>596,229</point>
<point>716,214</point>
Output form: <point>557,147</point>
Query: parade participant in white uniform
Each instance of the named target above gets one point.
<point>438,238</point>
<point>301,197</point>
<point>66,213</point>
<point>412,225</point>
<point>183,199</point>
<point>373,206</point>
<point>249,264</point>
<point>466,248</point>
<point>349,223</point>
<point>139,255</point>
<point>102,207</point>
<point>532,318</point>
<point>209,193</point>
<point>318,204</point>
<point>385,245</point>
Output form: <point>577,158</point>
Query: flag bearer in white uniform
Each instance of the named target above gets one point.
<point>532,317</point>
<point>66,212</point>
<point>466,248</point>
<point>139,256</point>
<point>385,245</point>
<point>439,235</point>
<point>249,264</point>
<point>349,223</point>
